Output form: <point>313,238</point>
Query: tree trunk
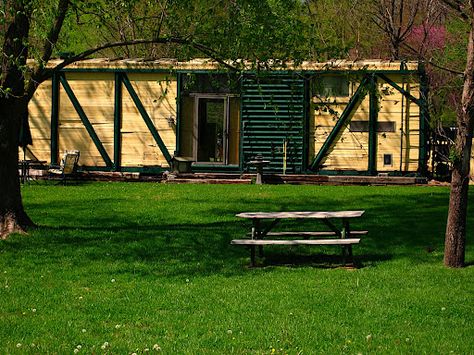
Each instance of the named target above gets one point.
<point>13,104</point>
<point>12,215</point>
<point>455,241</point>
<point>395,49</point>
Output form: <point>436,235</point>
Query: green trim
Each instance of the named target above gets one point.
<point>85,121</point>
<point>400,89</point>
<point>242,131</point>
<point>117,70</point>
<point>200,71</point>
<point>346,115</point>
<point>178,114</point>
<point>146,118</point>
<point>54,120</point>
<point>424,122</point>
<point>360,71</point>
<point>117,121</point>
<point>130,169</point>
<point>373,117</point>
<point>307,116</point>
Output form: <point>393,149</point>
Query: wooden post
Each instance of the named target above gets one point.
<point>117,121</point>
<point>54,119</point>
<point>373,117</point>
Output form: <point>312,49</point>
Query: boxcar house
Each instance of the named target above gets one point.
<point>338,117</point>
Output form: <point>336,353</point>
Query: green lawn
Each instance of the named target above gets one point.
<point>126,267</point>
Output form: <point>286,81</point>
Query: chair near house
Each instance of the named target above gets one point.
<point>68,165</point>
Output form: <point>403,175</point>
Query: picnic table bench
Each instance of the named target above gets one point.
<point>342,236</point>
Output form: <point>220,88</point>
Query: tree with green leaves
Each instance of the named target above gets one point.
<point>25,34</point>
<point>221,30</point>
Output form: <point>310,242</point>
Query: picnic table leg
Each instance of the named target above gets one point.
<point>252,255</point>
<point>346,230</point>
<point>257,233</point>
<point>346,249</point>
<point>349,252</point>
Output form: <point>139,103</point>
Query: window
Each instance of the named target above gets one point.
<point>363,126</point>
<point>386,126</point>
<point>359,126</point>
<point>331,86</point>
<point>209,83</point>
<point>387,159</point>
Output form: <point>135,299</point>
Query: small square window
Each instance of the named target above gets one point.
<point>387,159</point>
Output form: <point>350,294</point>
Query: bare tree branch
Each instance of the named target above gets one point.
<point>46,74</point>
<point>457,6</point>
<point>433,63</point>
<point>162,19</point>
<point>449,70</point>
<point>48,45</point>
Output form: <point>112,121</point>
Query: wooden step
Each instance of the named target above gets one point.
<point>313,234</point>
<point>225,176</point>
<point>208,181</point>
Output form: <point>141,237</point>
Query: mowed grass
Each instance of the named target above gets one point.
<point>130,267</point>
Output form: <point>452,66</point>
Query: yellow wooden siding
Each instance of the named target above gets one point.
<point>186,127</point>
<point>158,93</point>
<point>39,109</point>
<point>350,152</point>
<point>95,93</point>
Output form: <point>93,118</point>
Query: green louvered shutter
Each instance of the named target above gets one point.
<point>273,111</point>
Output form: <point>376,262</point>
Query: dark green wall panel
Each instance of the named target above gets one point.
<point>273,110</point>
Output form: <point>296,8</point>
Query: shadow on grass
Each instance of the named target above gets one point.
<point>327,260</point>
<point>194,236</point>
<point>57,181</point>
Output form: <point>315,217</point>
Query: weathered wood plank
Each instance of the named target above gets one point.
<point>307,214</point>
<point>313,234</point>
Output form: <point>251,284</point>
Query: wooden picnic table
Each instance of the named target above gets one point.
<point>342,236</point>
